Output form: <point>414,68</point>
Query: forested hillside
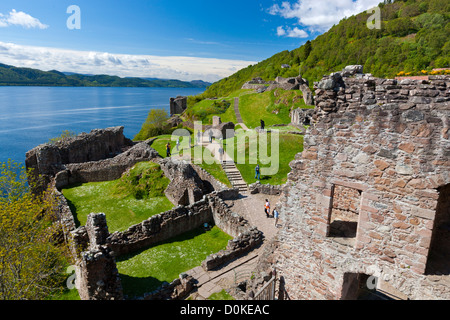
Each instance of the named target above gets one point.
<point>13,76</point>
<point>414,37</point>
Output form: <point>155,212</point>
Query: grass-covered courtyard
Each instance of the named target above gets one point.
<point>147,270</point>
<point>135,197</point>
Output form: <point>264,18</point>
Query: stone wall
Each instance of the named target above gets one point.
<point>294,83</point>
<point>301,117</point>
<point>95,248</point>
<point>380,150</point>
<point>104,170</point>
<point>160,228</point>
<point>245,236</point>
<point>49,159</point>
<point>97,274</point>
<point>268,189</point>
<point>178,105</point>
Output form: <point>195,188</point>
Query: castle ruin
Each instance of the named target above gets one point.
<point>367,204</point>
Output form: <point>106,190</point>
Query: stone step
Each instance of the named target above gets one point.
<point>234,176</point>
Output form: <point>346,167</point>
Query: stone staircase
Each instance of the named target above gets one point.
<point>234,176</point>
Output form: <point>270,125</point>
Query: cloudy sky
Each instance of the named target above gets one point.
<point>186,40</point>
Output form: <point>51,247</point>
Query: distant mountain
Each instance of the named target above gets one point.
<point>414,36</point>
<point>14,76</point>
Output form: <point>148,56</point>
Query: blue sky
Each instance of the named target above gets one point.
<point>159,38</point>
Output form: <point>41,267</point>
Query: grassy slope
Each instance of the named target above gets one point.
<point>147,270</point>
<point>289,146</point>
<point>271,106</point>
<point>122,209</point>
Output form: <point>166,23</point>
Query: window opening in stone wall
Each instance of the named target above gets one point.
<point>358,286</point>
<point>439,256</point>
<point>344,213</point>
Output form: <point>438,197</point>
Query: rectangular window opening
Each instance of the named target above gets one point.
<point>344,212</point>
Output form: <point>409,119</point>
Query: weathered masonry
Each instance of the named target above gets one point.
<point>367,204</point>
<point>104,155</point>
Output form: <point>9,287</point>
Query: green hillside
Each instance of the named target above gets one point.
<point>13,76</point>
<point>415,36</point>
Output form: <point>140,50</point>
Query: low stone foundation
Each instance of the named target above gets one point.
<point>268,189</point>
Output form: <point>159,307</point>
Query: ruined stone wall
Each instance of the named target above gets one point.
<point>104,170</point>
<point>245,236</point>
<point>48,159</point>
<point>97,274</point>
<point>384,147</point>
<point>268,189</point>
<point>95,248</point>
<point>211,209</point>
<point>293,83</point>
<point>178,105</point>
<point>160,228</point>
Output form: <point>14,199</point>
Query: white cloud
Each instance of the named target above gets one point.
<point>292,33</point>
<point>122,65</point>
<point>320,15</point>
<point>20,19</point>
<point>281,32</point>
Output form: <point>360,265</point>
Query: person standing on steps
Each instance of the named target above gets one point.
<point>267,208</point>
<point>258,172</point>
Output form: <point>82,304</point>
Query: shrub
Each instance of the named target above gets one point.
<point>154,125</point>
<point>66,134</point>
<point>145,180</point>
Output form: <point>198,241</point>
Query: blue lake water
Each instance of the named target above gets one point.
<point>30,116</point>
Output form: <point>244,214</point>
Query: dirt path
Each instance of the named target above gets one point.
<point>238,115</point>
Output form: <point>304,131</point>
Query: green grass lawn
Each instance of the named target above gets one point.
<point>206,109</point>
<point>221,296</point>
<point>118,201</point>
<point>271,106</point>
<point>145,271</point>
<point>289,146</point>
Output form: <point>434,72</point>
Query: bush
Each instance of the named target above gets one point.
<point>31,265</point>
<point>145,180</point>
<point>66,134</point>
<point>154,125</point>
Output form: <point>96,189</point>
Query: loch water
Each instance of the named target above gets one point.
<point>30,116</point>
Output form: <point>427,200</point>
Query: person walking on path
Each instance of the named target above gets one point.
<point>178,144</point>
<point>267,208</point>
<point>258,172</point>
<point>198,137</point>
<point>168,150</point>
<point>276,215</point>
<point>263,125</point>
<point>210,136</point>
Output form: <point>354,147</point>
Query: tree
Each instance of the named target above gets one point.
<point>154,125</point>
<point>31,264</point>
